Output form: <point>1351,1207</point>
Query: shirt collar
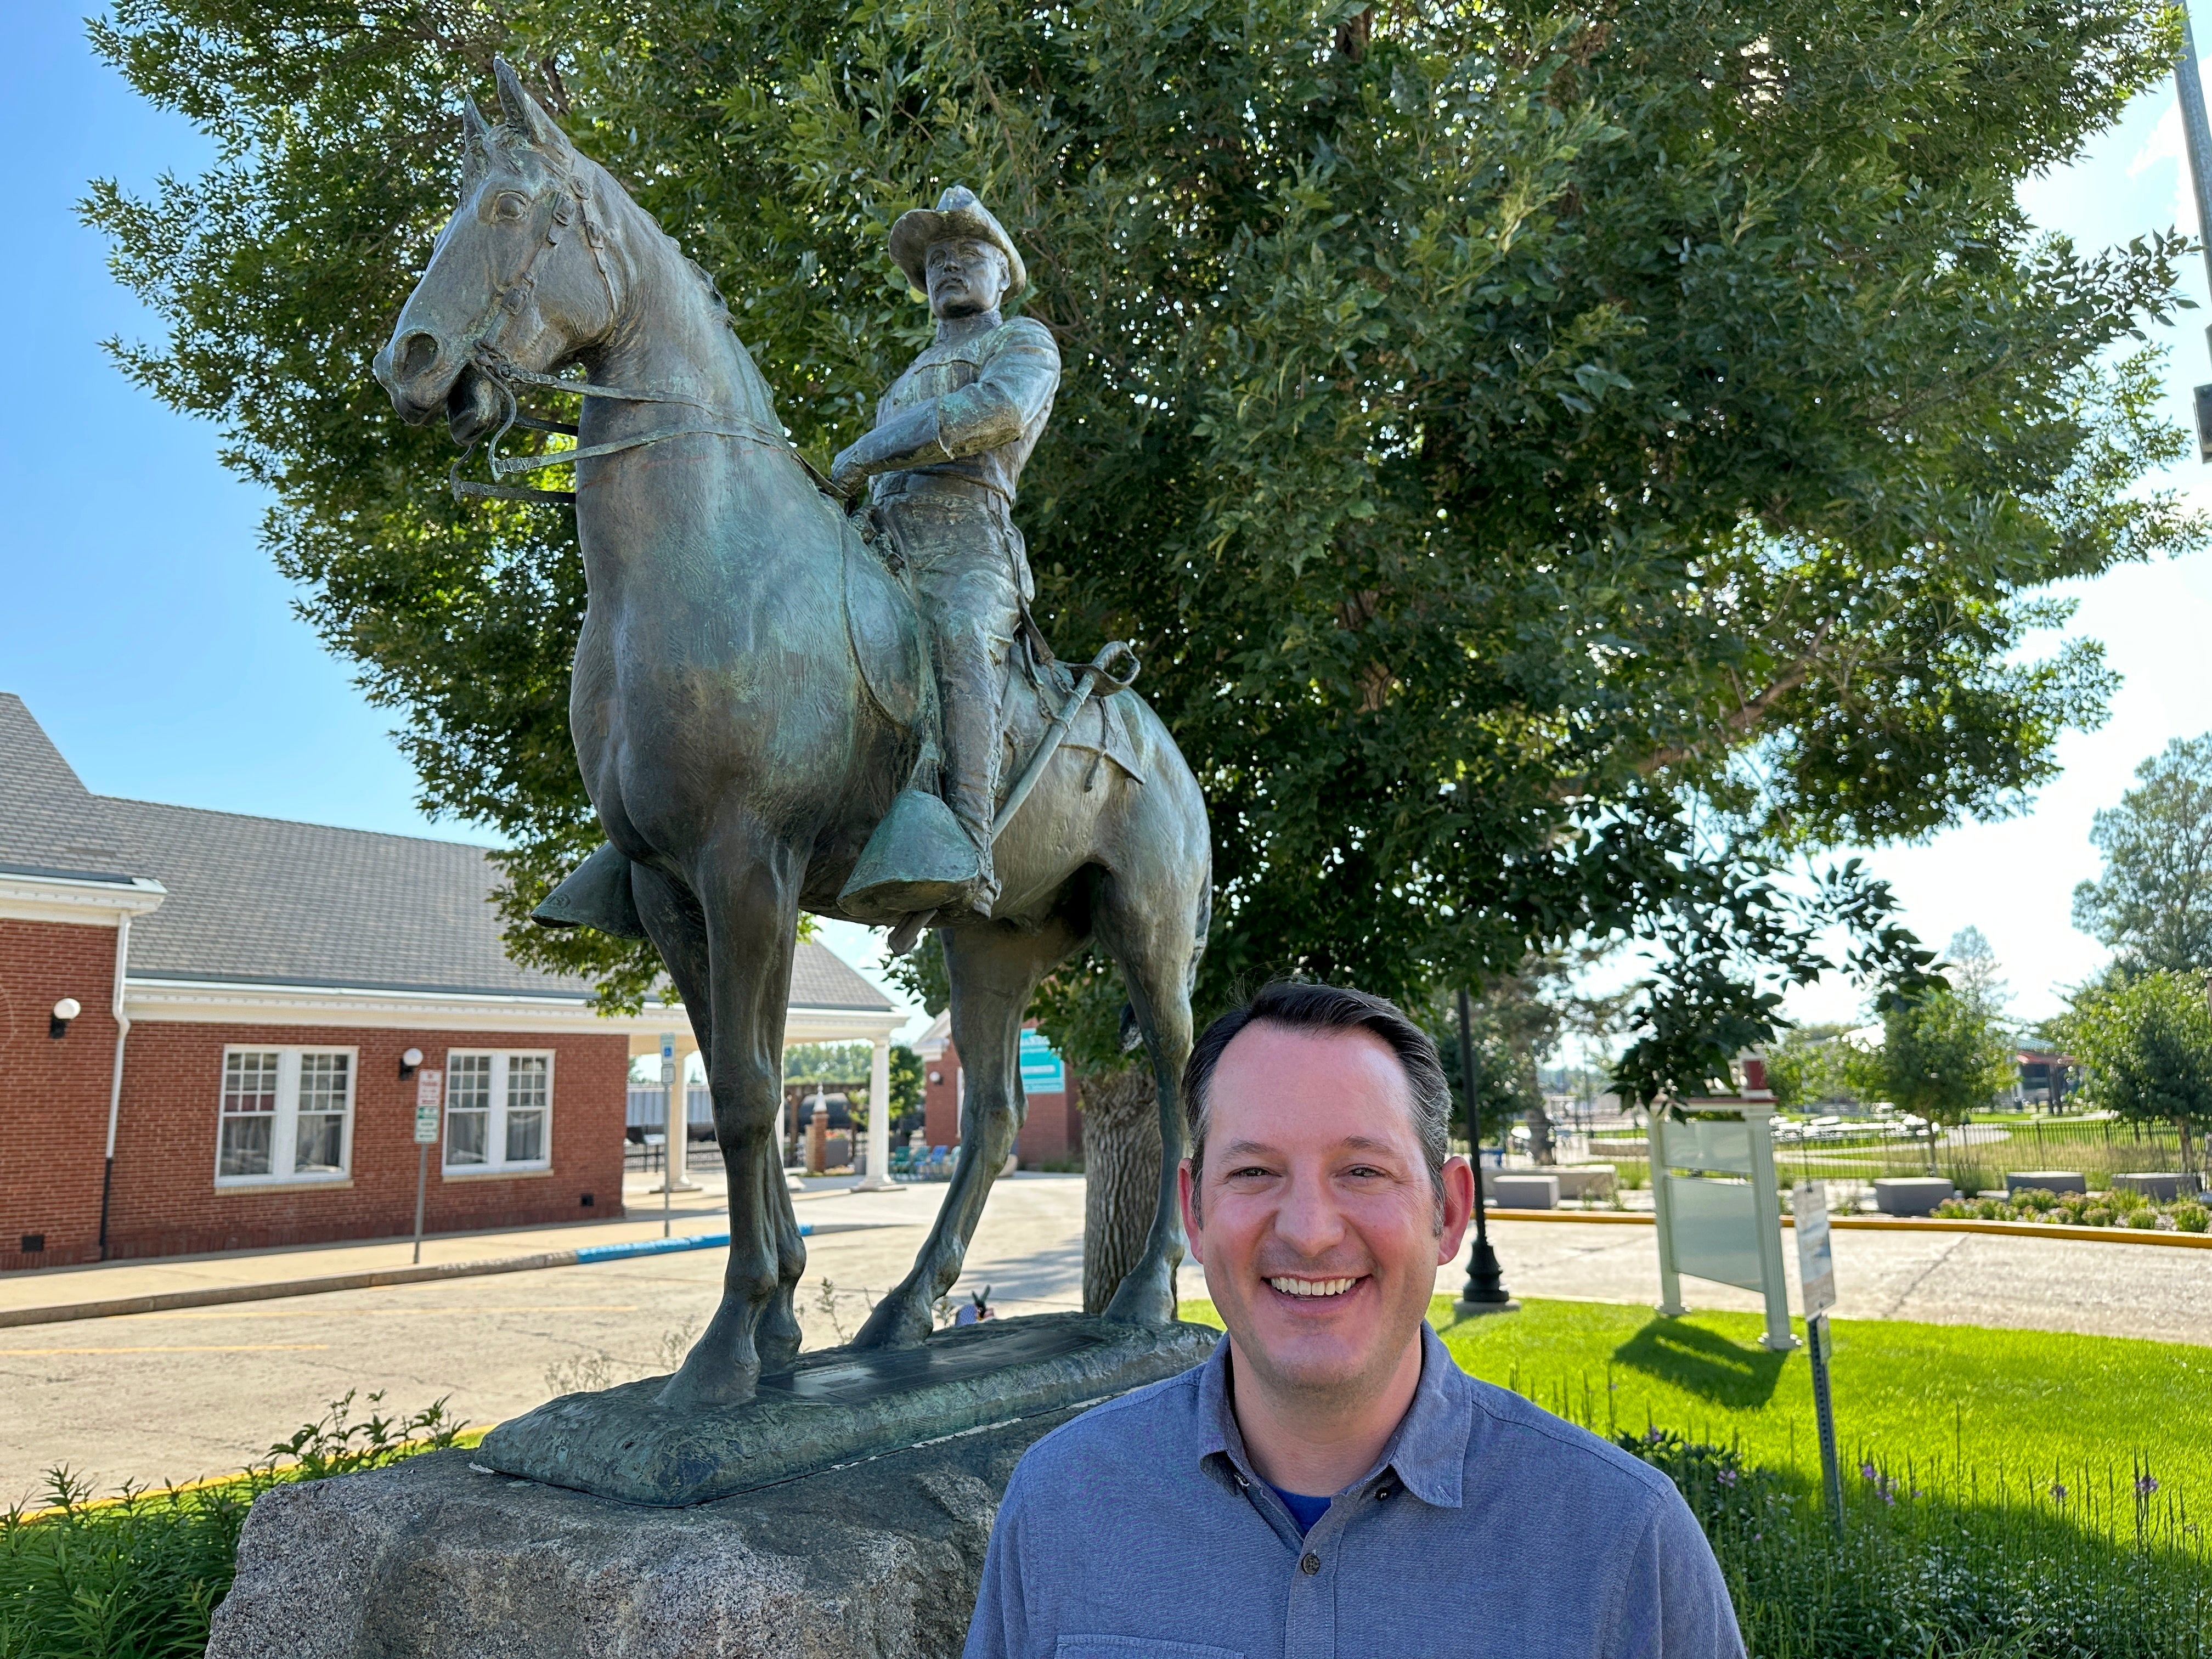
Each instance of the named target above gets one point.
<point>956,331</point>
<point>1427,1450</point>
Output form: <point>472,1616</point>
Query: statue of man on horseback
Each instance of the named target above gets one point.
<point>752,715</point>
<point>941,467</point>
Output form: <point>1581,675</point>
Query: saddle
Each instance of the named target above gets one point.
<point>919,857</point>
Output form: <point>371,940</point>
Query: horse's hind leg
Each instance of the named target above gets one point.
<point>994,973</point>
<point>1156,946</point>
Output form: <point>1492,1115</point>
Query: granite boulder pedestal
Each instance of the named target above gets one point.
<point>841,1514</point>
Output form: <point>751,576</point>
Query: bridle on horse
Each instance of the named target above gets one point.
<point>504,376</point>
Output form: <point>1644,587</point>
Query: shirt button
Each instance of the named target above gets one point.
<point>1310,1563</point>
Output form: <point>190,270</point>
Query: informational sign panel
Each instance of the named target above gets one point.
<point>1716,1229</point>
<point>1719,1208</point>
<point>1816,1265</point>
<point>1042,1072</point>
<point>430,1095</point>
<point>667,1058</point>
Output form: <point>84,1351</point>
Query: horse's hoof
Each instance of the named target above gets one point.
<point>689,1390</point>
<point>1146,1297</point>
<point>894,1324</point>
<point>778,1352</point>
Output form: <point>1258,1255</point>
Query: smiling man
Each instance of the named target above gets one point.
<point>1329,1483</point>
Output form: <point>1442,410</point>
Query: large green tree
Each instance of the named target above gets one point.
<point>2147,1043</point>
<point>2153,903</point>
<point>1942,1057</point>
<point>1559,467</point>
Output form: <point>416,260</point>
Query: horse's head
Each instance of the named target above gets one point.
<point>519,273</point>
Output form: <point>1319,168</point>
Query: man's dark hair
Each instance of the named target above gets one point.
<point>1295,1006</point>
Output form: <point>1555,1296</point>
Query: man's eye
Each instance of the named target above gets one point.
<point>1249,1171</point>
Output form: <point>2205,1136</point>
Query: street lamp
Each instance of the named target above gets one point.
<point>1486,1292</point>
<point>2197,139</point>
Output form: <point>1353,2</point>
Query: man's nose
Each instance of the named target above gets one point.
<point>1308,1220</point>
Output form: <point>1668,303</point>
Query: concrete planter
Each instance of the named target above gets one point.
<point>1576,1179</point>
<point>1912,1195</point>
<point>1513,1190</point>
<point>1585,1180</point>
<point>2048,1180</point>
<point>2163,1186</point>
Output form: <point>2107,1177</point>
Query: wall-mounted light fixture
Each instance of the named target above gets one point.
<point>64,1010</point>
<point>408,1061</point>
<point>937,1077</point>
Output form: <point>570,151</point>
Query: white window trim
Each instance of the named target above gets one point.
<point>495,1129</point>
<point>283,1136</point>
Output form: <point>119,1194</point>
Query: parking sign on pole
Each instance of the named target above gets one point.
<point>429,1096</point>
<point>1816,1278</point>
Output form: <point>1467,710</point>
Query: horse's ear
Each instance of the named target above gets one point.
<point>522,112</point>
<point>475,139</point>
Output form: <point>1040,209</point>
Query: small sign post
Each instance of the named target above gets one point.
<point>670,1127</point>
<point>429,1091</point>
<point>1816,1278</point>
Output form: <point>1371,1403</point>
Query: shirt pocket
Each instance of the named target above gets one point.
<point>1135,1647</point>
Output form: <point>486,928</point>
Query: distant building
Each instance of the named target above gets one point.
<point>245,991</point>
<point>1052,1131</point>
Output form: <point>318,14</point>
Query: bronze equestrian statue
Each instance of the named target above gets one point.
<point>753,706</point>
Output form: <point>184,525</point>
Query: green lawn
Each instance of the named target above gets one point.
<point>2014,1405</point>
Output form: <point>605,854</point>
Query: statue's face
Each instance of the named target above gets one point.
<point>966,277</point>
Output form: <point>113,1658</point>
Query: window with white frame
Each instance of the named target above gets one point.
<point>286,1115</point>
<point>499,1111</point>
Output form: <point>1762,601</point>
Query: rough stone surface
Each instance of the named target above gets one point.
<point>837,1405</point>
<point>430,1560</point>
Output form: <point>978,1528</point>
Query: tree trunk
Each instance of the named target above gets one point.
<point>1121,1177</point>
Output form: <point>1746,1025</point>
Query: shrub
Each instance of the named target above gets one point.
<point>2190,1217</point>
<point>2052,1574</point>
<point>137,1576</point>
<point>2146,1216</point>
<point>2097,1215</point>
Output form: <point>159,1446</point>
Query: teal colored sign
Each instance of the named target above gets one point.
<point>1043,1071</point>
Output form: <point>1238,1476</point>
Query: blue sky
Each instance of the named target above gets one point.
<point>146,628</point>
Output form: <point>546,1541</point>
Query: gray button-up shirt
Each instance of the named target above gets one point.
<point>1489,1527</point>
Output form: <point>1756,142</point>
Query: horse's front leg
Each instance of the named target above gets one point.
<point>994,973</point>
<point>749,895</point>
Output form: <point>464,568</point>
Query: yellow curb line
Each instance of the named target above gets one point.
<point>1897,1223</point>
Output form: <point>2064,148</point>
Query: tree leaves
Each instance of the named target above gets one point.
<point>1557,468</point>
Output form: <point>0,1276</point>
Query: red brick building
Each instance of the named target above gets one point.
<point>1052,1129</point>
<point>206,1021</point>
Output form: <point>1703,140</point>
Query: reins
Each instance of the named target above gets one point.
<point>506,376</point>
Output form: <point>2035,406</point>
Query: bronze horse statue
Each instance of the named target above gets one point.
<point>749,697</point>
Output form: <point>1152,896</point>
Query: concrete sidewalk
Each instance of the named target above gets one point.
<point>109,1288</point>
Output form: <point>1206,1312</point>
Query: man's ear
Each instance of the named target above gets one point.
<point>1458,1207</point>
<point>1187,1191</point>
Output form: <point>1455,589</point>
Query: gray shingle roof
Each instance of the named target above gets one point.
<point>270,902</point>
<point>48,821</point>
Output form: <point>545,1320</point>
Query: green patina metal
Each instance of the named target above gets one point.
<point>834,1407</point>
<point>763,696</point>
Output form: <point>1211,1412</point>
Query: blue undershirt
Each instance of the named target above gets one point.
<point>1303,1509</point>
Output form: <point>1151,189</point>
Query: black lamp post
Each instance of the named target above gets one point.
<point>1485,1292</point>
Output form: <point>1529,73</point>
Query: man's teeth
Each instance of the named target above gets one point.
<point>1313,1286</point>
